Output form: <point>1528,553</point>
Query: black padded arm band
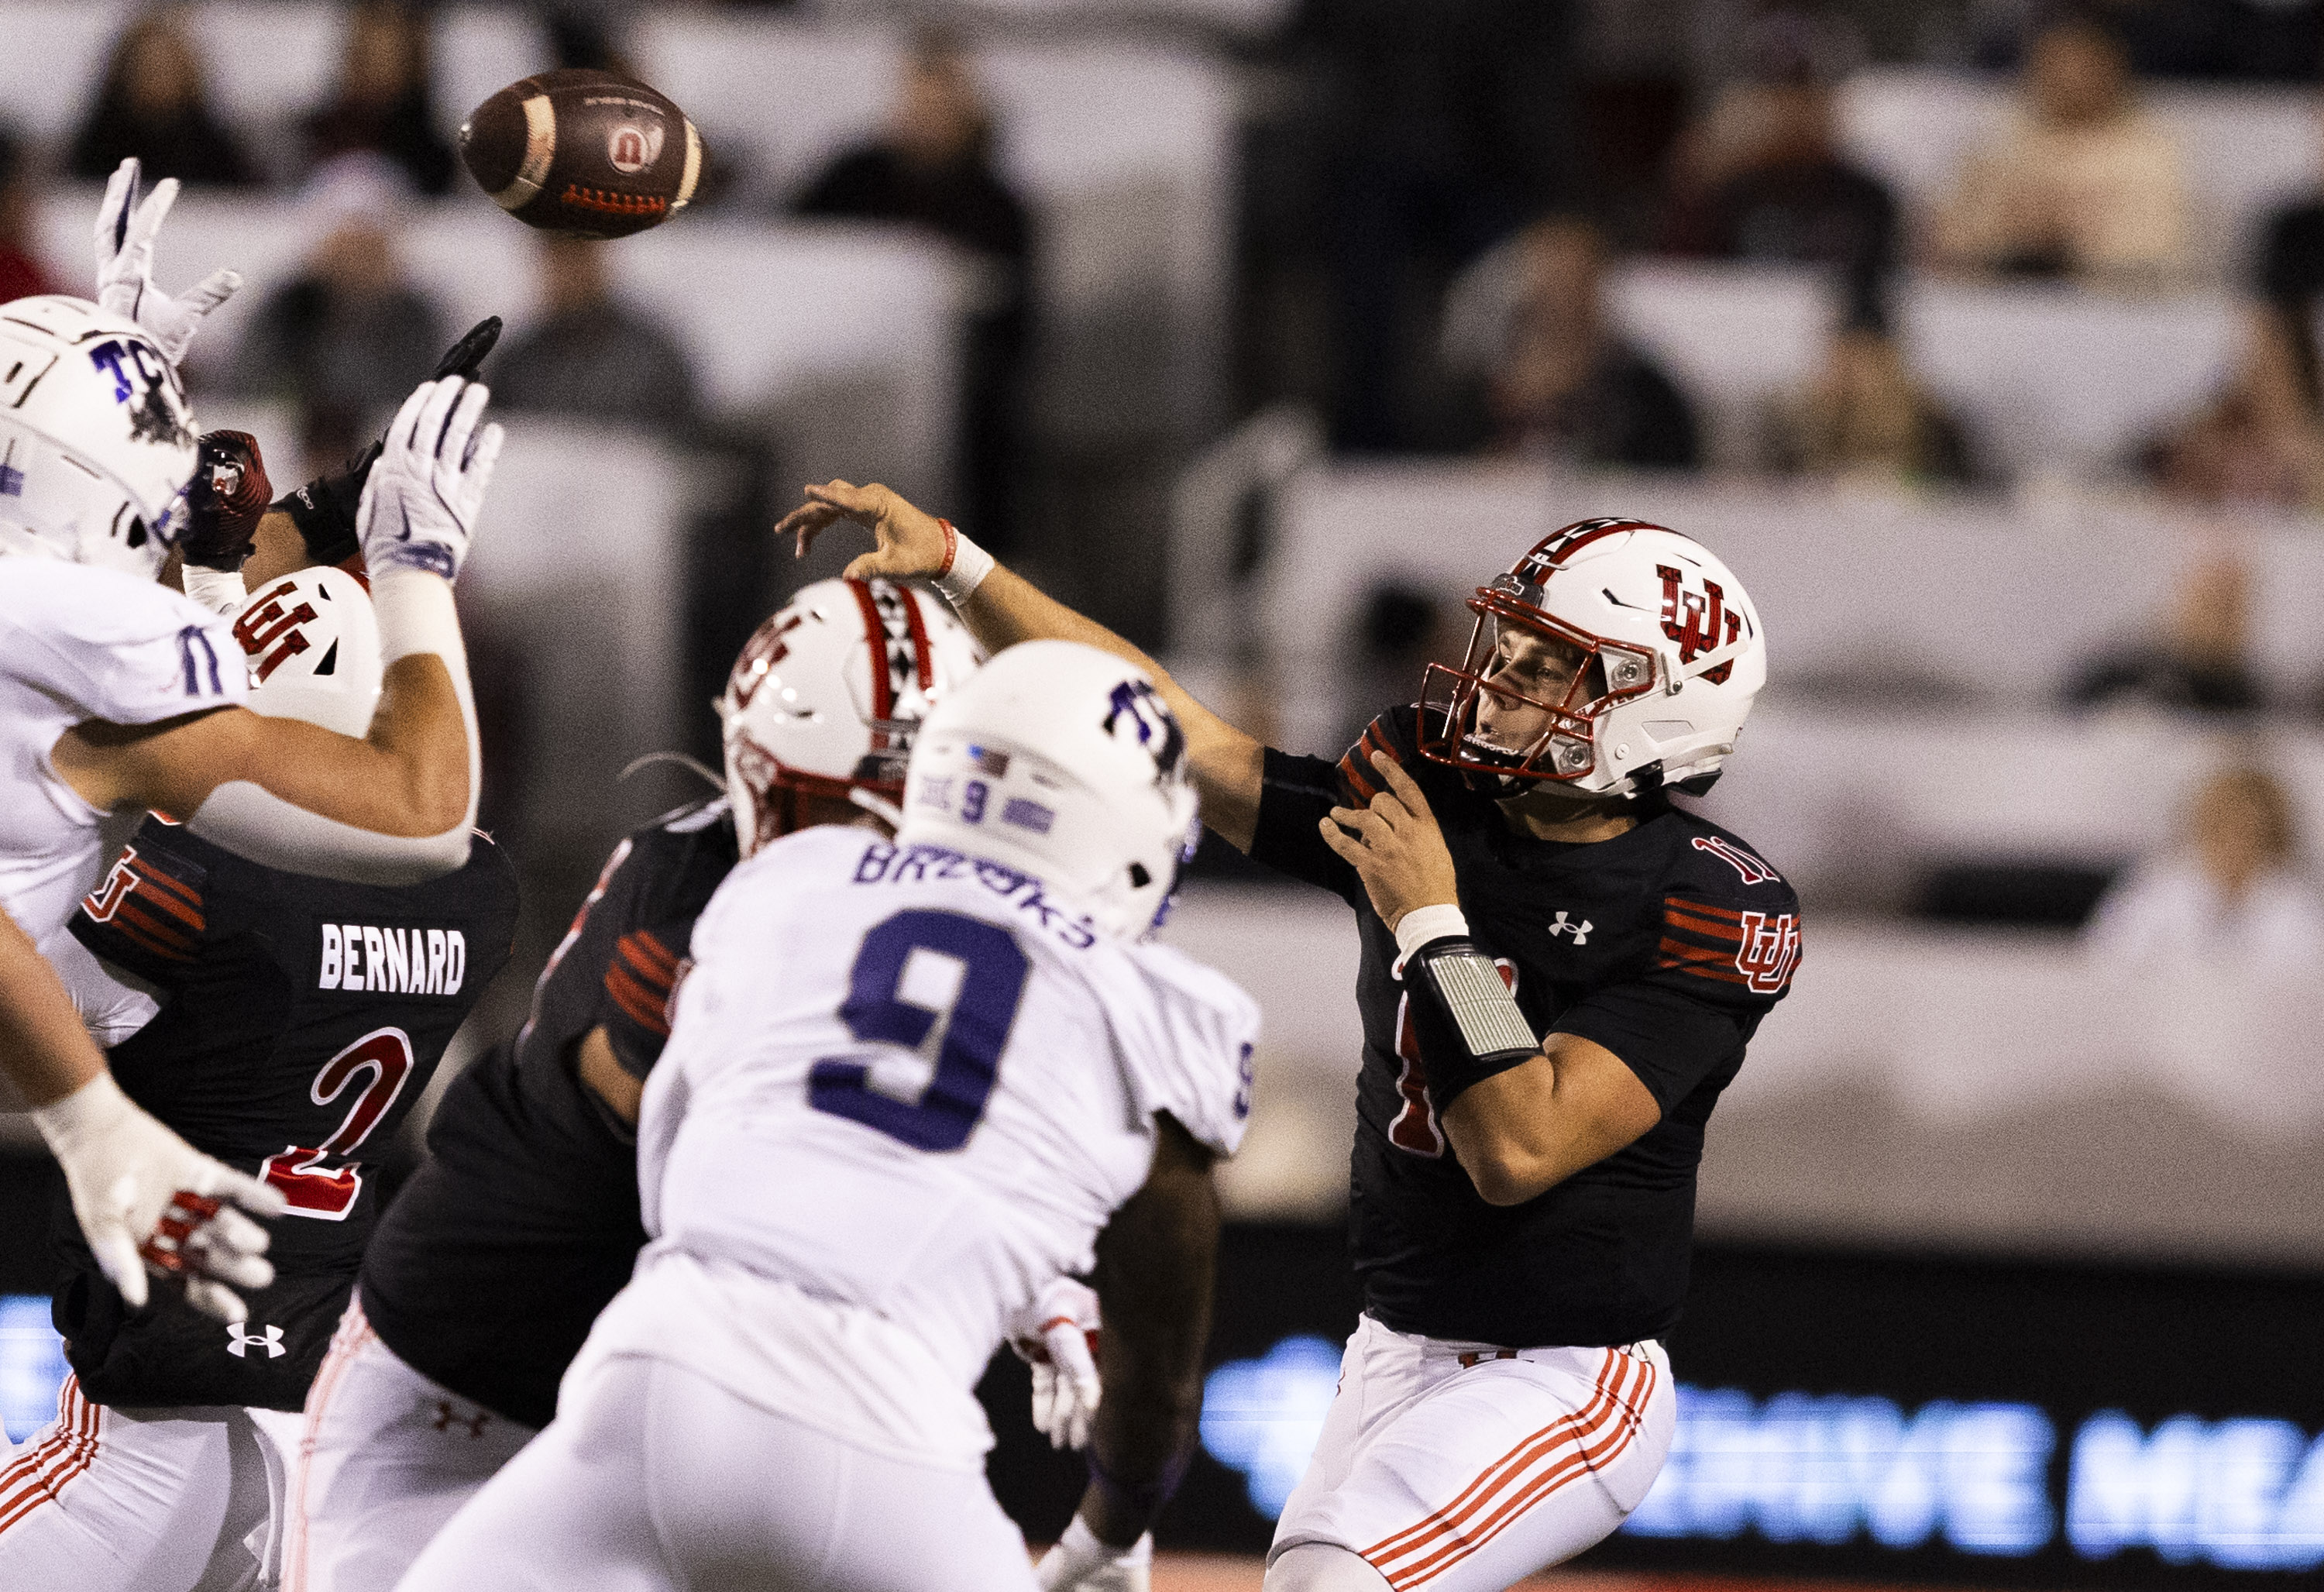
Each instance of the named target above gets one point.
<point>1466,1020</point>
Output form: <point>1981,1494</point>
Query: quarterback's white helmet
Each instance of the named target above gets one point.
<point>825,696</point>
<point>1615,659</point>
<point>1061,761</point>
<point>96,438</point>
<point>311,640</point>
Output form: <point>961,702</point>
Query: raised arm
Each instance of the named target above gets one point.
<point>1156,1264</point>
<point>1004,608</point>
<point>397,806</point>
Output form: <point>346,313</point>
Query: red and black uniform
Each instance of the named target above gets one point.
<point>1666,945</point>
<point>523,1223</point>
<point>299,1019</point>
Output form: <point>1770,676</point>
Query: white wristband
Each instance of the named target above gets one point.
<point>965,567</point>
<point>218,590</point>
<point>1417,927</point>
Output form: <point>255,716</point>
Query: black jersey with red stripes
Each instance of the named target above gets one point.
<point>300,1020</point>
<point>522,1223</point>
<point>1665,945</point>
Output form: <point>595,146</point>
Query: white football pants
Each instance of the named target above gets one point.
<point>653,1479</point>
<point>175,1500</point>
<point>1462,1468</point>
<point>385,1457</point>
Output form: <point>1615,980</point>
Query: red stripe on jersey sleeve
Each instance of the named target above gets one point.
<point>648,1008</point>
<point>152,931</point>
<point>1674,957</point>
<point>646,954</point>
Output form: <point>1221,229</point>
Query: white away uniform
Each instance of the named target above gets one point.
<point>903,1091</point>
<point>78,642</point>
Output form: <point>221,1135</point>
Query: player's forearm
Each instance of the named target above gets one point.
<point>1519,1134</point>
<point>1157,1264</point>
<point>1228,765</point>
<point>44,1050</point>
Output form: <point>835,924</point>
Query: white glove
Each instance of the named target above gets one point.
<point>419,505</point>
<point>1057,1335</point>
<point>1081,1561</point>
<point>125,265</point>
<point>149,1201</point>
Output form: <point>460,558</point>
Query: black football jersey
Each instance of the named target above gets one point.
<point>1665,945</point>
<point>301,1018</point>
<point>522,1223</point>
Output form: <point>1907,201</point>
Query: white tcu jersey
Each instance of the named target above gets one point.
<point>904,1091</point>
<point>78,642</point>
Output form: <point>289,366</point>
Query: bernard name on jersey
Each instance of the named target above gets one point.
<point>379,958</point>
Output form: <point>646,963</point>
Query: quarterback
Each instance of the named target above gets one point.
<point>1560,972</point>
<point>118,695</point>
<point>909,1081</point>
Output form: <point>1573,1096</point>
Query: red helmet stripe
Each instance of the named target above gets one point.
<point>1571,539</point>
<point>923,656</point>
<point>875,634</point>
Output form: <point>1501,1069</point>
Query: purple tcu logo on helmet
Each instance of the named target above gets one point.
<point>1155,723</point>
<point>153,420</point>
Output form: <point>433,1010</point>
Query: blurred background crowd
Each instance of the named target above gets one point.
<point>1979,337</point>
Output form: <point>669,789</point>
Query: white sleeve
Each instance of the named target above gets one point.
<point>1190,1051</point>
<point>113,1004</point>
<point>133,652</point>
<point>415,615</point>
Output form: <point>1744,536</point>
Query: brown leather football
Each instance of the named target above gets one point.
<point>583,151</point>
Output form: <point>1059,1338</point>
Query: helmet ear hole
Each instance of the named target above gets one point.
<point>137,532</point>
<point>1139,878</point>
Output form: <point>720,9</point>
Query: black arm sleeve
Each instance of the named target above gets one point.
<point>1295,794</point>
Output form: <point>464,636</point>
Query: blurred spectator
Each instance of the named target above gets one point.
<point>1527,326</point>
<point>1440,126</point>
<point>1864,418</point>
<point>2234,889</point>
<point>1763,177</point>
<point>21,275</point>
<point>2260,442</point>
<point>153,105</point>
<point>2290,271</point>
<point>2082,182</point>
<point>348,338</point>
<point>934,168</point>
<point>592,356</point>
<point>1403,628</point>
<point>382,101</point>
<point>2250,40</point>
<point>2202,661</point>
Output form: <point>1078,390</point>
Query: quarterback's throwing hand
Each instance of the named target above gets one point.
<point>1395,846</point>
<point>912,545</point>
<point>419,504</point>
<point>125,265</point>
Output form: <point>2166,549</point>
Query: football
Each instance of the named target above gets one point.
<point>584,153</point>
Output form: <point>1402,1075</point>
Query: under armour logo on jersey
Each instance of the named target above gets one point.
<point>239,1343</point>
<point>1754,872</point>
<point>446,1418</point>
<point>1581,930</point>
<point>1154,720</point>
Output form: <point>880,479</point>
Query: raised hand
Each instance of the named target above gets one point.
<point>912,545</point>
<point>1395,846</point>
<point>125,265</point>
<point>420,501</point>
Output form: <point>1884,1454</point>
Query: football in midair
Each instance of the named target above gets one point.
<point>585,153</point>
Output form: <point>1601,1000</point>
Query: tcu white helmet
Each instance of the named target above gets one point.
<point>825,696</point>
<point>1615,659</point>
<point>96,438</point>
<point>1061,761</point>
<point>311,640</point>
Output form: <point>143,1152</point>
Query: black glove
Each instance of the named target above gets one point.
<point>324,509</point>
<point>225,501</point>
